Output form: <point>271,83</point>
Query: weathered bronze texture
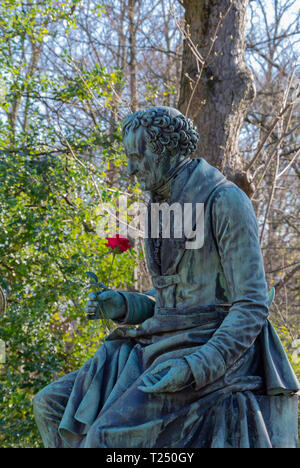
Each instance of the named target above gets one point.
<point>203,367</point>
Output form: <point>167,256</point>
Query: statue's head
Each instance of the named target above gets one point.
<point>155,139</point>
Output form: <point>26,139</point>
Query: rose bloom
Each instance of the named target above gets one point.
<point>119,244</point>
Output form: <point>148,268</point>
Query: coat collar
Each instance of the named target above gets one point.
<point>193,184</point>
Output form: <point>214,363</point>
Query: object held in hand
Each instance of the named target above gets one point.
<point>94,310</point>
<point>118,244</point>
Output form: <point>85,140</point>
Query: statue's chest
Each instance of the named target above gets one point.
<point>164,255</point>
<point>167,256</point>
<point>163,251</point>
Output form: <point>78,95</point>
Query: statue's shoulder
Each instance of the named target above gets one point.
<point>230,202</point>
<point>230,193</point>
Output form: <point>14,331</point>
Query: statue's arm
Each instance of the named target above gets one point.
<point>139,307</point>
<point>236,234</point>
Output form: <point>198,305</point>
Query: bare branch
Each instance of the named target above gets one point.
<point>287,277</point>
<point>271,129</point>
<point>283,268</point>
<point>270,199</point>
<point>289,165</point>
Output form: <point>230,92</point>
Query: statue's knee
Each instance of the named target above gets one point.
<point>41,400</point>
<point>38,400</point>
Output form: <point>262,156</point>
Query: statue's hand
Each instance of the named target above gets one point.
<point>169,376</point>
<point>112,303</point>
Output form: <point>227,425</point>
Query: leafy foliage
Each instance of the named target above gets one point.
<point>49,205</point>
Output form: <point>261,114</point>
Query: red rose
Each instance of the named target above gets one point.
<point>118,243</point>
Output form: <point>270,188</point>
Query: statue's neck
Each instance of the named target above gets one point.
<point>163,192</point>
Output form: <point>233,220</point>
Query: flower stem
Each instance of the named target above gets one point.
<point>105,319</point>
<point>108,281</point>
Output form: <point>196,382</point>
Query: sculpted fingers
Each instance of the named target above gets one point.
<point>168,376</point>
<point>92,296</point>
<point>161,368</point>
<point>150,388</point>
<point>153,382</point>
<point>106,296</point>
<point>149,380</point>
<point>105,304</point>
<point>91,306</point>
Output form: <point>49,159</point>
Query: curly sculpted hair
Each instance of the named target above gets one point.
<point>167,131</point>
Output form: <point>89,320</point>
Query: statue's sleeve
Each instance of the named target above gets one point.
<point>139,307</point>
<point>236,234</point>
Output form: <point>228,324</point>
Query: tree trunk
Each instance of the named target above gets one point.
<point>216,94</point>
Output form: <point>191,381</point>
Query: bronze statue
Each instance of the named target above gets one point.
<point>204,366</point>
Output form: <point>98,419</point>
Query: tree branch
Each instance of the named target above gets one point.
<point>282,282</point>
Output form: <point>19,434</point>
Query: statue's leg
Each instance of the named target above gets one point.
<point>140,420</point>
<point>119,425</point>
<point>49,406</point>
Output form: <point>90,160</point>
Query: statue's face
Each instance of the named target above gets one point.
<point>147,166</point>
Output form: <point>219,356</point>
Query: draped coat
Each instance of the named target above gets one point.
<point>208,306</point>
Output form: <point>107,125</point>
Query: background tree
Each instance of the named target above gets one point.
<point>251,136</point>
<point>217,87</point>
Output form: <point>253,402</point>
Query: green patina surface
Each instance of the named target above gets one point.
<point>203,367</point>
